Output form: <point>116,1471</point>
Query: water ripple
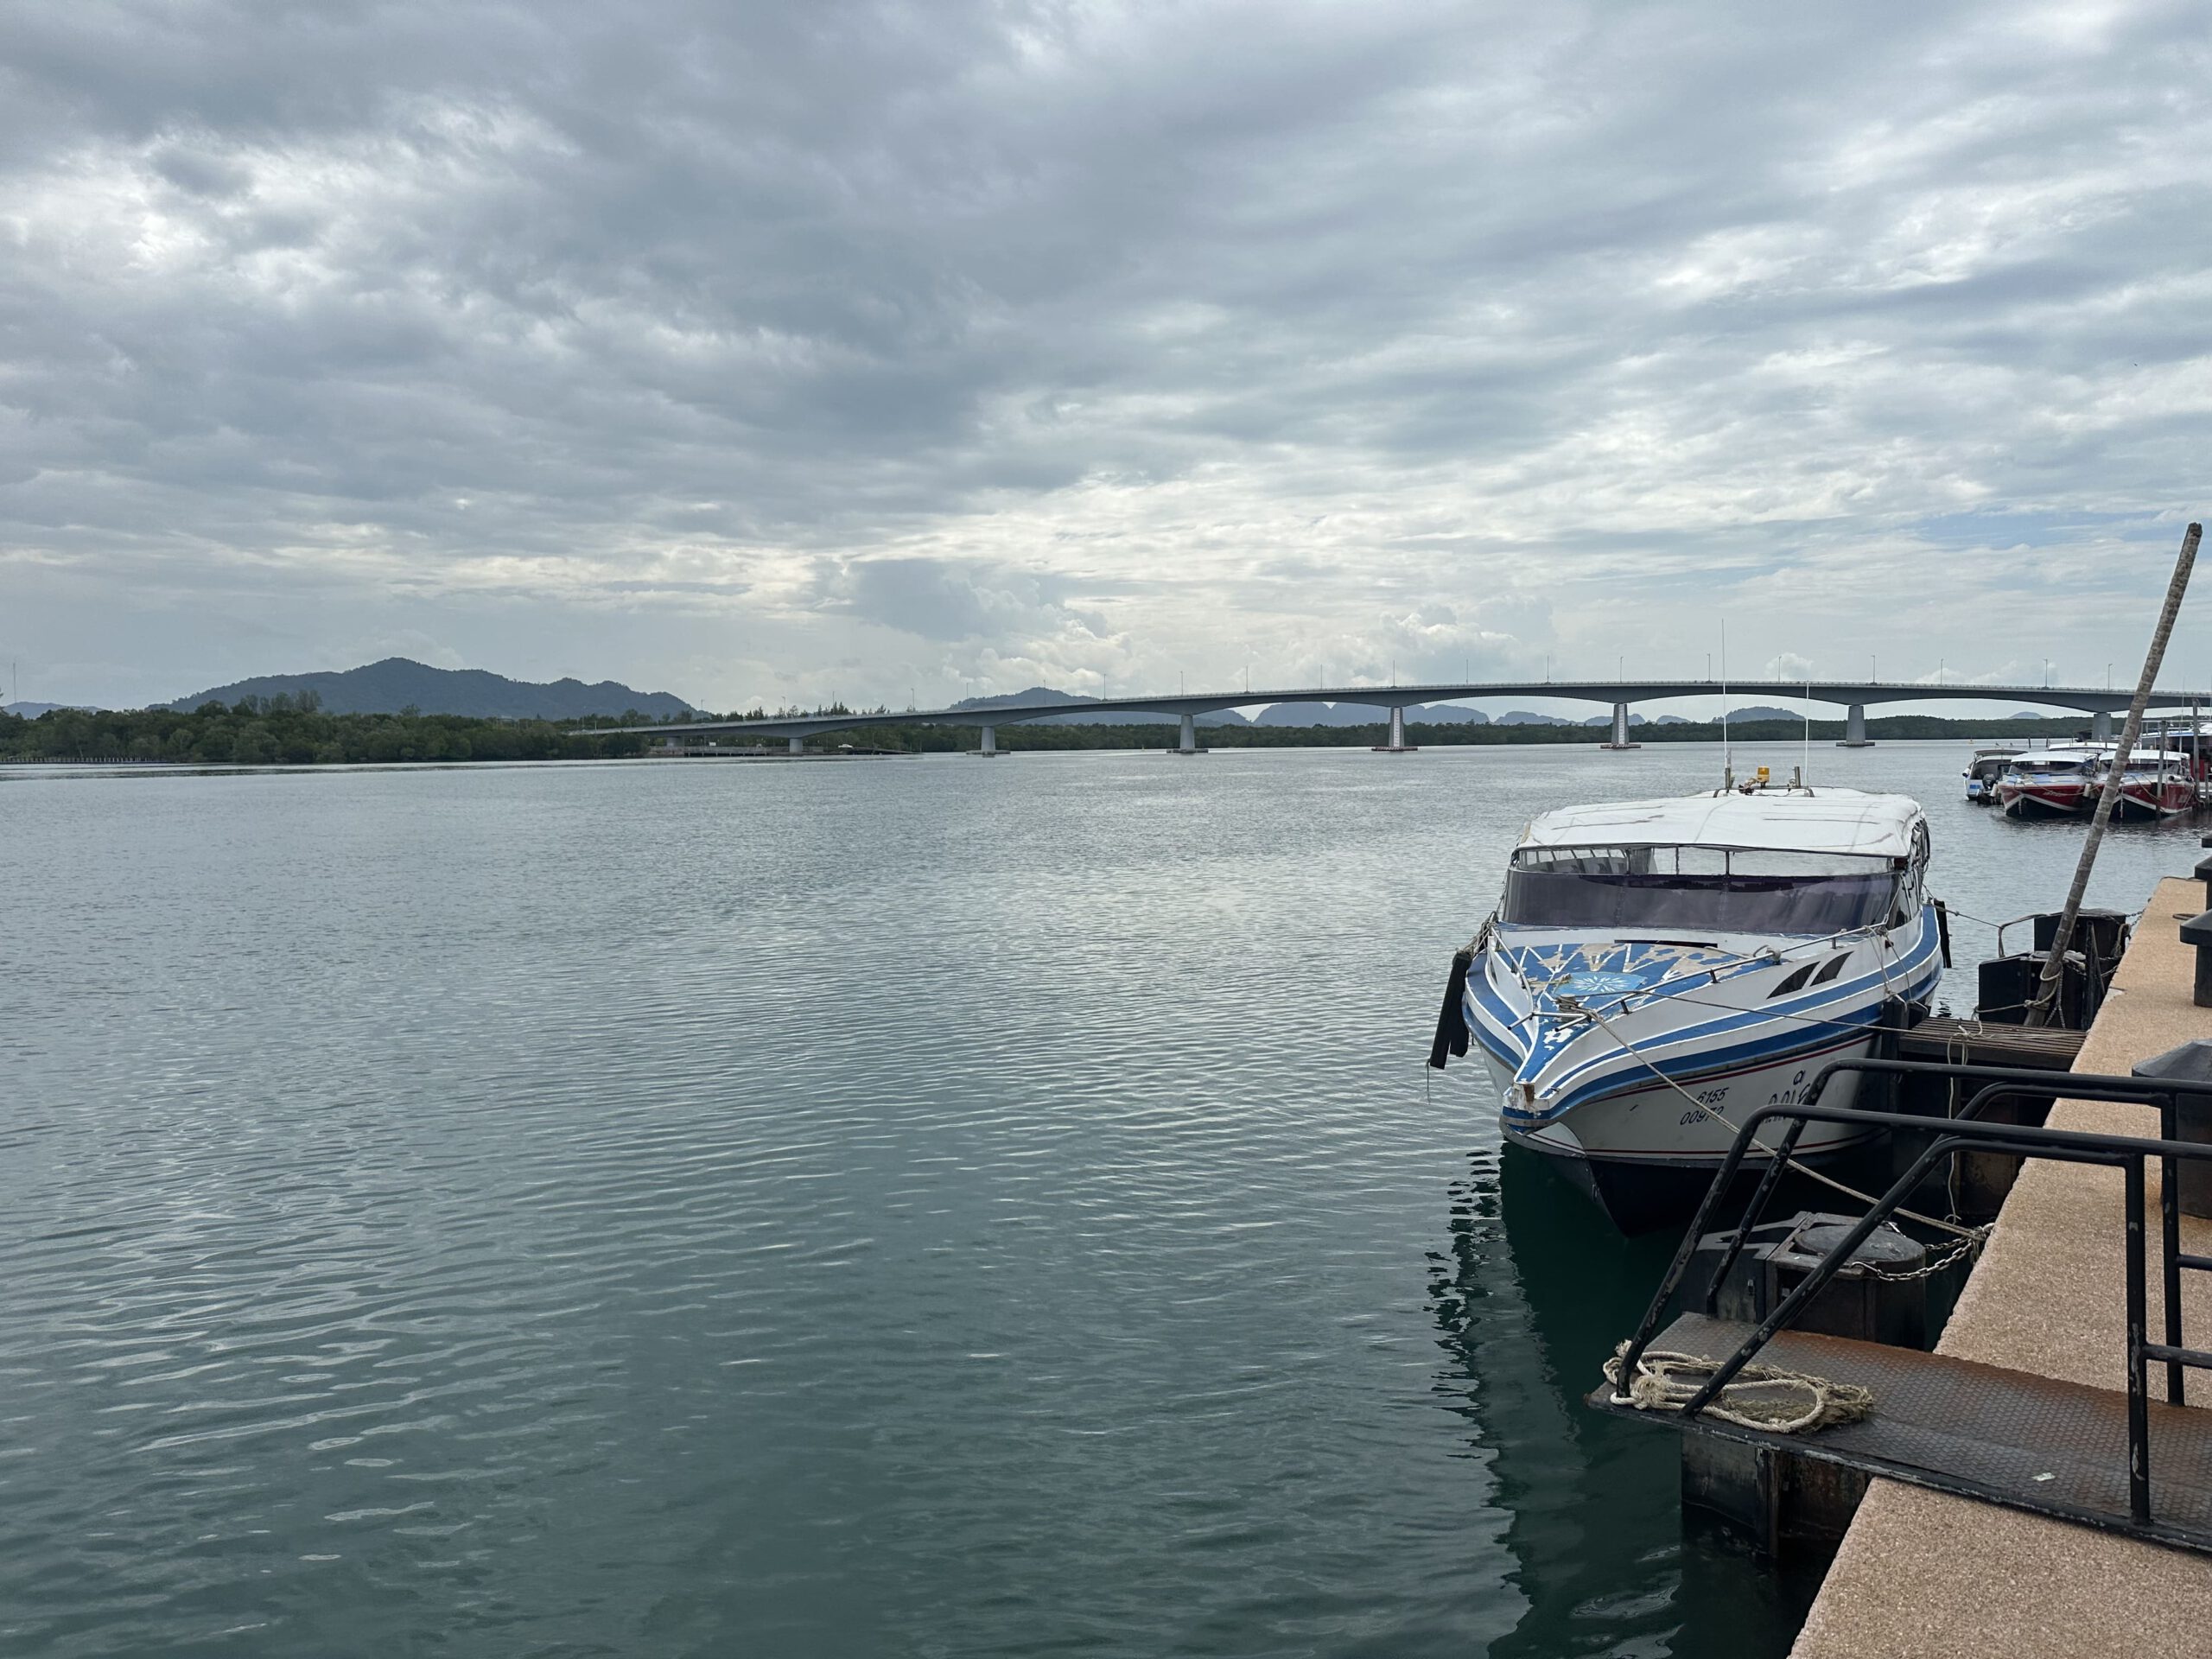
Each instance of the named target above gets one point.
<point>910,1209</point>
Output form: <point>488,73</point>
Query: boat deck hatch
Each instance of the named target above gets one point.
<point>1976,1431</point>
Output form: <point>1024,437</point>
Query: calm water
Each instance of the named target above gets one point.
<point>912,1207</point>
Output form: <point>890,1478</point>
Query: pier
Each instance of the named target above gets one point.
<point>1619,697</point>
<point>1925,1573</point>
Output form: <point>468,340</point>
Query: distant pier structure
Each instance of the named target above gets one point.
<point>2100,702</point>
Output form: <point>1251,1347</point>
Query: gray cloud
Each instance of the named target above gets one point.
<point>766,351</point>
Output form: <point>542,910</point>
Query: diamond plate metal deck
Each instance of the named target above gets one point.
<point>1978,1431</point>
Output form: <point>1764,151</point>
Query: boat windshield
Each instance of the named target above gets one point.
<point>1702,888</point>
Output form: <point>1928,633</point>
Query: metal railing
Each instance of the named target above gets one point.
<point>1949,1136</point>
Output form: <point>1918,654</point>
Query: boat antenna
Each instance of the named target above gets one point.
<point>1805,769</point>
<point>1727,755</point>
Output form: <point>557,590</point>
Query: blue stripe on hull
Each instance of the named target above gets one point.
<point>1792,1025</point>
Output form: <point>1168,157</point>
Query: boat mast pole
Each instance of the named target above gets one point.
<point>1727,755</point>
<point>1805,767</point>
<point>2054,967</point>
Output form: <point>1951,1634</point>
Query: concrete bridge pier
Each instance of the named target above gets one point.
<point>990,740</point>
<point>1186,741</point>
<point>2100,726</point>
<point>1620,740</point>
<point>798,746</point>
<point>1854,729</point>
<point>1397,744</point>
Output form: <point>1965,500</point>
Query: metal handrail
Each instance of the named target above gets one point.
<point>2165,1093</point>
<point>2128,1154</point>
<point>2003,1080</point>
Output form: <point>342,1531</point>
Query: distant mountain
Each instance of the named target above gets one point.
<point>1446,713</point>
<point>1323,713</point>
<point>396,683</point>
<point>1671,720</point>
<point>1607,719</point>
<point>32,710</point>
<point>1766,711</point>
<point>1523,717</point>
<point>1037,694</point>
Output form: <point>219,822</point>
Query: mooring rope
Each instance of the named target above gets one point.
<point>1761,1396</point>
<point>1976,1235</point>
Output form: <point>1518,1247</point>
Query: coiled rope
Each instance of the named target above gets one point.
<point>1761,1396</point>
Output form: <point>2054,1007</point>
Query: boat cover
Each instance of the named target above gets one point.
<point>1803,820</point>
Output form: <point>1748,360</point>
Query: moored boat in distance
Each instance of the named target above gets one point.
<point>2155,784</point>
<point>1985,768</point>
<point>1657,969</point>
<point>2056,783</point>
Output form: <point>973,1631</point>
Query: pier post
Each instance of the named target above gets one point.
<point>990,740</point>
<point>1619,740</point>
<point>798,746</point>
<point>1854,729</point>
<point>1186,741</point>
<point>2100,726</point>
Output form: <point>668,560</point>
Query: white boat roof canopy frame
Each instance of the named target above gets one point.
<point>1832,821</point>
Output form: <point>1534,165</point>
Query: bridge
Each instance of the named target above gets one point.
<point>2101,703</point>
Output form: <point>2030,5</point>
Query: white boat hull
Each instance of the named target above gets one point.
<point>1641,1105</point>
<point>1659,972</point>
<point>1693,1124</point>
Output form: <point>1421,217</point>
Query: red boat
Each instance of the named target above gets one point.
<point>2051,784</point>
<point>2158,784</point>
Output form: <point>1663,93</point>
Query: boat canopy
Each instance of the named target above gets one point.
<point>1840,822</point>
<point>2041,761</point>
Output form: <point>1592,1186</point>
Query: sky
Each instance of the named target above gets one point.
<point>777,352</point>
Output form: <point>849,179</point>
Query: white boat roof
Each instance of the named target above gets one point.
<point>1798,821</point>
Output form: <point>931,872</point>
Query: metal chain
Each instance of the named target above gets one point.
<point>1966,1246</point>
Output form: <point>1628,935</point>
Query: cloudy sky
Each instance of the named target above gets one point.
<point>775,351</point>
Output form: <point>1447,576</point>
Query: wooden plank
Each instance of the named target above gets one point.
<point>1985,1042</point>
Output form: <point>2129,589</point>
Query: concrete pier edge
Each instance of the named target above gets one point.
<point>1924,1575</point>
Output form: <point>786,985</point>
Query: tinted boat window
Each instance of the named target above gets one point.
<point>1697,889</point>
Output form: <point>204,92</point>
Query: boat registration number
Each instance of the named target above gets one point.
<point>1704,1097</point>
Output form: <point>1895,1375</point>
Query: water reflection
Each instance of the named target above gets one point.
<point>1532,1292</point>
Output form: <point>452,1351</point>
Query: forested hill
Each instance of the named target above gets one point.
<point>398,683</point>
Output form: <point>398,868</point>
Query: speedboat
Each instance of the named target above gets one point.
<point>2155,784</point>
<point>1656,970</point>
<point>1983,769</point>
<point>2051,784</point>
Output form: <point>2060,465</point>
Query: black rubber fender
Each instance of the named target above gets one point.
<point>1451,1023</point>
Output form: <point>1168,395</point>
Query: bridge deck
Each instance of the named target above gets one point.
<point>1848,694</point>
